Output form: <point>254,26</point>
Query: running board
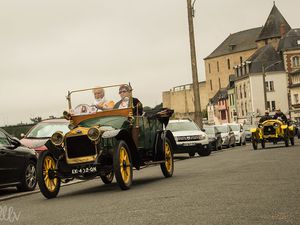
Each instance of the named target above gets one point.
<point>155,162</point>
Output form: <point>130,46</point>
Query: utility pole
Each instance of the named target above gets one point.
<point>198,115</point>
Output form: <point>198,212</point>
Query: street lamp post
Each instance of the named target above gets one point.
<point>198,116</point>
<point>264,69</point>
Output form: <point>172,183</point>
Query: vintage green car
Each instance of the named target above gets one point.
<point>105,143</point>
<point>272,130</point>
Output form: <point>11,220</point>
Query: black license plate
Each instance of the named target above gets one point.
<point>83,170</point>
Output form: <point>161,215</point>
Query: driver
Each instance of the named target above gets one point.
<point>280,115</point>
<point>100,101</point>
<point>265,117</point>
<point>125,93</point>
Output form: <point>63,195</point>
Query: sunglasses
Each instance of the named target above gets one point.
<point>122,91</point>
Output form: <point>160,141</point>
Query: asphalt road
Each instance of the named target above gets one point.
<point>230,187</point>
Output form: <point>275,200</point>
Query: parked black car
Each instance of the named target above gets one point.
<point>214,137</point>
<point>17,164</point>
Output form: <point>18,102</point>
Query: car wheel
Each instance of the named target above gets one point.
<point>292,141</point>
<point>254,144</point>
<point>263,143</point>
<point>123,165</point>
<point>191,154</point>
<point>167,167</point>
<point>107,178</point>
<point>205,151</point>
<point>29,180</point>
<point>48,182</point>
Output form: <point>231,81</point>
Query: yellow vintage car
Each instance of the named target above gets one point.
<point>105,143</point>
<point>272,130</point>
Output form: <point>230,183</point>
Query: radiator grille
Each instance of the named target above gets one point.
<point>269,130</point>
<point>80,146</point>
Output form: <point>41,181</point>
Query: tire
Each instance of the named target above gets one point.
<point>108,178</point>
<point>49,186</point>
<point>205,152</point>
<point>123,165</point>
<point>167,168</point>
<point>292,141</point>
<point>254,144</point>
<point>286,142</point>
<point>263,144</point>
<point>191,154</point>
<point>29,177</point>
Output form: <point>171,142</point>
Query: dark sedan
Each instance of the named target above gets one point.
<point>17,164</point>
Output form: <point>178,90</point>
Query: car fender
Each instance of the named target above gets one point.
<point>284,126</point>
<point>158,146</point>
<point>121,134</point>
<point>55,150</point>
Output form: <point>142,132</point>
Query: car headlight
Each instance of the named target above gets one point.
<point>275,125</point>
<point>93,133</point>
<point>202,136</point>
<point>57,138</point>
<point>260,126</point>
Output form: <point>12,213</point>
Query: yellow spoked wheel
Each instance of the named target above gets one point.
<point>48,182</point>
<point>123,166</point>
<point>167,167</point>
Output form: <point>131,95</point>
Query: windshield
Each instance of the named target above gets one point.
<point>209,130</point>
<point>235,127</point>
<point>222,129</point>
<point>97,99</point>
<point>45,130</point>
<point>180,126</point>
<point>113,121</point>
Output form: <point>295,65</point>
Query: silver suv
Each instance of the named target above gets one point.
<point>189,137</point>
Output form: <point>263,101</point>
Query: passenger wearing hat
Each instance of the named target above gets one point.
<point>125,93</point>
<point>280,116</point>
<point>265,117</point>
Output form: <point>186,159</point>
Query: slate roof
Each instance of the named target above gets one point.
<point>237,42</point>
<point>266,56</point>
<point>221,94</point>
<point>290,40</point>
<point>271,29</point>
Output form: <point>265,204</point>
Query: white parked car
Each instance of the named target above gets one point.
<point>228,136</point>
<point>189,137</point>
<point>240,135</point>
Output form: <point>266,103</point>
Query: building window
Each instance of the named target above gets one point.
<point>296,97</point>
<point>267,86</point>
<point>268,105</point>
<point>241,94</point>
<point>246,110</point>
<point>223,115</point>
<point>210,81</point>
<point>242,107</point>
<point>271,85</point>
<point>209,67</point>
<point>273,105</point>
<point>236,92</point>
<point>219,83</point>
<point>296,61</point>
<point>266,42</point>
<point>228,63</point>
<point>241,59</point>
<point>245,91</point>
<point>218,69</point>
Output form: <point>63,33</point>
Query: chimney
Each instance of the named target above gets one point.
<point>282,30</point>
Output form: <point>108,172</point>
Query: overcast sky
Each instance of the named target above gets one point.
<point>48,47</point>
